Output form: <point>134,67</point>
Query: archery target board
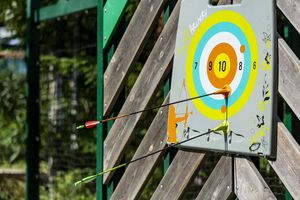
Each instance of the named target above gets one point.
<point>232,46</point>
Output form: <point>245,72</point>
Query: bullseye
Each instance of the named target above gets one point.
<point>222,65</point>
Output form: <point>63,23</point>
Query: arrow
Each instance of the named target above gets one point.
<point>93,177</point>
<point>226,90</point>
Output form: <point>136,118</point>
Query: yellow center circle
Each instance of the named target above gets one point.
<point>222,65</point>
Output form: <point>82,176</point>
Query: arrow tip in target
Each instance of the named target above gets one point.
<point>226,91</point>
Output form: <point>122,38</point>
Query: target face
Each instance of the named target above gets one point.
<point>226,56</point>
<point>217,47</point>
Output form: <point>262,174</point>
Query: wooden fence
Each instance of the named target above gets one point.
<point>232,175</point>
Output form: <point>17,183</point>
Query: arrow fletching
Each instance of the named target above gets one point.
<point>88,125</point>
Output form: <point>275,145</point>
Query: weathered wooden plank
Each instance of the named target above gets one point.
<point>138,174</point>
<point>131,44</point>
<point>237,1</point>
<point>149,80</point>
<point>181,172</point>
<point>219,184</point>
<point>287,164</point>
<point>249,184</point>
<point>223,2</point>
<point>289,76</point>
<point>291,9</point>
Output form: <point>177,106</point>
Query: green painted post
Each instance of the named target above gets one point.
<point>33,108</point>
<point>100,189</point>
<point>113,13</point>
<point>287,119</point>
<point>63,8</point>
<point>108,54</point>
<point>167,86</point>
<point>288,123</point>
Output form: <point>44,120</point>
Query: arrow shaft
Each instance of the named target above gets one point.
<point>90,178</point>
<point>92,124</point>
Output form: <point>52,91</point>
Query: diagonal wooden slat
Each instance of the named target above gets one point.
<point>223,2</point>
<point>237,1</point>
<point>219,184</point>
<point>249,184</point>
<point>291,9</point>
<point>289,76</point>
<point>129,49</point>
<point>151,77</point>
<point>138,174</point>
<point>180,173</point>
<point>287,164</point>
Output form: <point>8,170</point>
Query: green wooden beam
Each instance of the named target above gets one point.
<point>33,108</point>
<point>113,13</point>
<point>100,188</point>
<point>169,156</point>
<point>62,8</point>
<point>291,121</point>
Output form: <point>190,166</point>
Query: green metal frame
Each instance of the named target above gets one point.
<point>100,189</point>
<point>33,108</point>
<point>290,120</point>
<point>113,13</point>
<point>118,174</point>
<point>108,19</point>
<point>169,156</point>
<point>62,8</point>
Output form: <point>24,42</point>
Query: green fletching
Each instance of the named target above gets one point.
<point>86,180</point>
<point>93,177</point>
<point>80,127</point>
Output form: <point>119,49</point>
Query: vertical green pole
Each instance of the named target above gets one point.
<point>287,111</point>
<point>100,189</point>
<point>171,153</point>
<point>108,54</point>
<point>33,108</point>
<point>288,123</point>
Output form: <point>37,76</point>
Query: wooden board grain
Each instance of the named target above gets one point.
<point>181,172</point>
<point>219,183</point>
<point>223,2</point>
<point>291,9</point>
<point>129,49</point>
<point>237,1</point>
<point>138,174</point>
<point>287,164</point>
<point>289,76</point>
<point>249,184</point>
<point>151,77</point>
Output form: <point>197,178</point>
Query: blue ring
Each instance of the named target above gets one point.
<point>236,31</point>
